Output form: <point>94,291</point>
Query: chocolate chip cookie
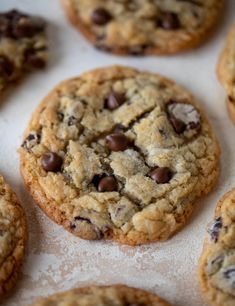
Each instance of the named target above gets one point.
<point>119,154</point>
<point>119,295</point>
<point>144,27</point>
<point>12,237</point>
<point>226,72</point>
<point>23,45</point>
<point>217,262</point>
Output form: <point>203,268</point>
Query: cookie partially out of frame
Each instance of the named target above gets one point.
<point>226,71</point>
<point>12,237</point>
<point>23,45</point>
<point>119,154</point>
<point>217,262</point>
<point>118,295</point>
<point>144,27</point>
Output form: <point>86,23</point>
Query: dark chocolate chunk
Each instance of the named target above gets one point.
<point>27,27</point>
<point>169,21</point>
<point>108,184</point>
<point>160,175</point>
<point>100,16</point>
<point>117,142</point>
<point>115,100</point>
<point>51,162</point>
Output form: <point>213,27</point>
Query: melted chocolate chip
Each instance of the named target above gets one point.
<point>214,229</point>
<point>108,184</point>
<point>100,16</point>
<point>51,162</point>
<point>183,116</point>
<point>169,21</point>
<point>6,67</point>
<point>115,100</point>
<point>117,142</point>
<point>160,175</point>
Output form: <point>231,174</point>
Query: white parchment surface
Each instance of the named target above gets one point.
<point>55,259</point>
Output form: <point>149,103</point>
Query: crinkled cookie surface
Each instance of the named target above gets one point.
<point>119,154</point>
<point>23,45</point>
<point>118,295</point>
<point>144,27</point>
<point>12,237</point>
<point>217,262</point>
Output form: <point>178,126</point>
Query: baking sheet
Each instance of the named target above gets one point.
<point>55,259</point>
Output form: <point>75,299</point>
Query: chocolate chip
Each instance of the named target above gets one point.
<point>214,229</point>
<point>107,184</point>
<point>100,16</point>
<point>16,25</point>
<point>2,232</point>
<point>51,162</point>
<point>178,125</point>
<point>169,21</point>
<point>115,100</point>
<point>183,116</point>
<point>26,27</point>
<point>160,175</point>
<point>33,60</point>
<point>6,67</point>
<point>117,142</point>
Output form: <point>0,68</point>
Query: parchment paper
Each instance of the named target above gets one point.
<point>56,260</point>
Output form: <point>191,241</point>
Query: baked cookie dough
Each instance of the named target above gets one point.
<point>12,237</point>
<point>217,262</point>
<point>144,27</point>
<point>226,71</point>
<point>118,295</point>
<point>23,45</point>
<point>119,154</point>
